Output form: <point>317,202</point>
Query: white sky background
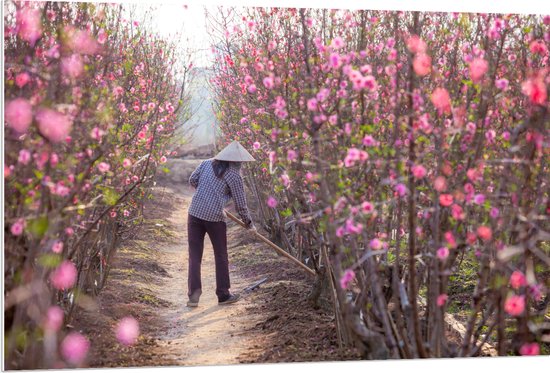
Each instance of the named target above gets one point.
<point>171,16</point>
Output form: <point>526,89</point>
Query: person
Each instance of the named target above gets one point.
<point>216,182</point>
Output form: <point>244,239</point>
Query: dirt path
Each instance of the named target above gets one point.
<point>199,336</point>
<point>148,281</point>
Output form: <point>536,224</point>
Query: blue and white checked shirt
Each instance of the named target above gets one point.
<point>212,193</point>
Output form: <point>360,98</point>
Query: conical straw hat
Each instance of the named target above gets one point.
<point>234,152</point>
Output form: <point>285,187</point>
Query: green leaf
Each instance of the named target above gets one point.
<point>110,196</point>
<point>166,170</point>
<point>50,260</point>
<point>38,226</point>
<point>286,213</point>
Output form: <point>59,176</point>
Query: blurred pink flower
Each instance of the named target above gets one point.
<point>22,79</point>
<point>515,305</point>
<point>291,155</point>
<point>478,68</point>
<point>312,104</point>
<point>442,253</point>
<point>347,278</point>
<point>367,207</point>
<point>401,189</point>
<point>440,184</point>
<point>415,44</point>
<point>484,232</point>
<point>73,66</point>
<point>126,163</point>
<point>535,89</point>
<point>256,145</point>
<point>252,88</point>
<point>53,125</point>
<point>441,100</point>
<point>422,64</point>
<point>101,36</point>
<point>24,156</point>
<point>64,276</point>
<point>127,331</point>
<point>268,82</point>
<point>442,299</point>
<point>54,319</point>
<point>501,84</point>
<point>530,349</point>
<point>538,47</point>
<point>74,348</point>
<point>18,114</point>
<point>418,171</point>
<point>103,167</point>
<point>375,244</point>
<point>29,24</point>
<point>368,140</point>
<point>337,43</point>
<point>81,41</point>
<point>271,202</point>
<point>457,212</point>
<point>57,247</point>
<point>517,280</point>
<point>446,200</point>
<point>335,60</point>
<point>17,228</point>
<point>479,199</point>
<point>163,159</point>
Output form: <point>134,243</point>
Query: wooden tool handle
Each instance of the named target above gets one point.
<point>272,245</point>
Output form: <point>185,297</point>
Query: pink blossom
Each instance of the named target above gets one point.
<point>291,155</point>
<point>346,279</point>
<point>57,247</point>
<point>450,238</point>
<point>53,125</point>
<point>335,60</point>
<point>442,299</point>
<point>367,207</point>
<point>312,104</point>
<point>74,348</point>
<point>22,79</point>
<point>446,200</point>
<point>18,114</point>
<point>422,64</point>
<point>97,133</point>
<point>502,84</point>
<point>285,179</point>
<point>441,100</point>
<point>418,171</point>
<point>80,41</point>
<point>24,156</point>
<point>530,349</point>
<point>484,232</point>
<point>440,184</point>
<point>29,24</point>
<point>515,305</point>
<point>368,140</point>
<point>256,145</point>
<point>126,163</point>
<point>103,167</point>
<point>478,68</point>
<point>535,89</point>
<point>252,88</point>
<point>479,199</point>
<point>127,331</point>
<point>54,319</point>
<point>69,231</point>
<point>340,231</point>
<point>517,280</point>
<point>101,36</point>
<point>375,244</point>
<point>17,228</point>
<point>268,82</point>
<point>494,213</point>
<point>163,159</point>
<point>126,213</point>
<point>415,44</point>
<point>64,276</point>
<point>337,43</point>
<point>73,66</point>
<point>457,212</point>
<point>271,202</point>
<point>442,253</point>
<point>401,189</point>
<point>538,47</point>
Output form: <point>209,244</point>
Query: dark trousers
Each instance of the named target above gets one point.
<point>217,231</point>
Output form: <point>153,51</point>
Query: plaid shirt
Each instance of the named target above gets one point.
<point>213,193</point>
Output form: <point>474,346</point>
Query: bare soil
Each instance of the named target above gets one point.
<point>148,280</point>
